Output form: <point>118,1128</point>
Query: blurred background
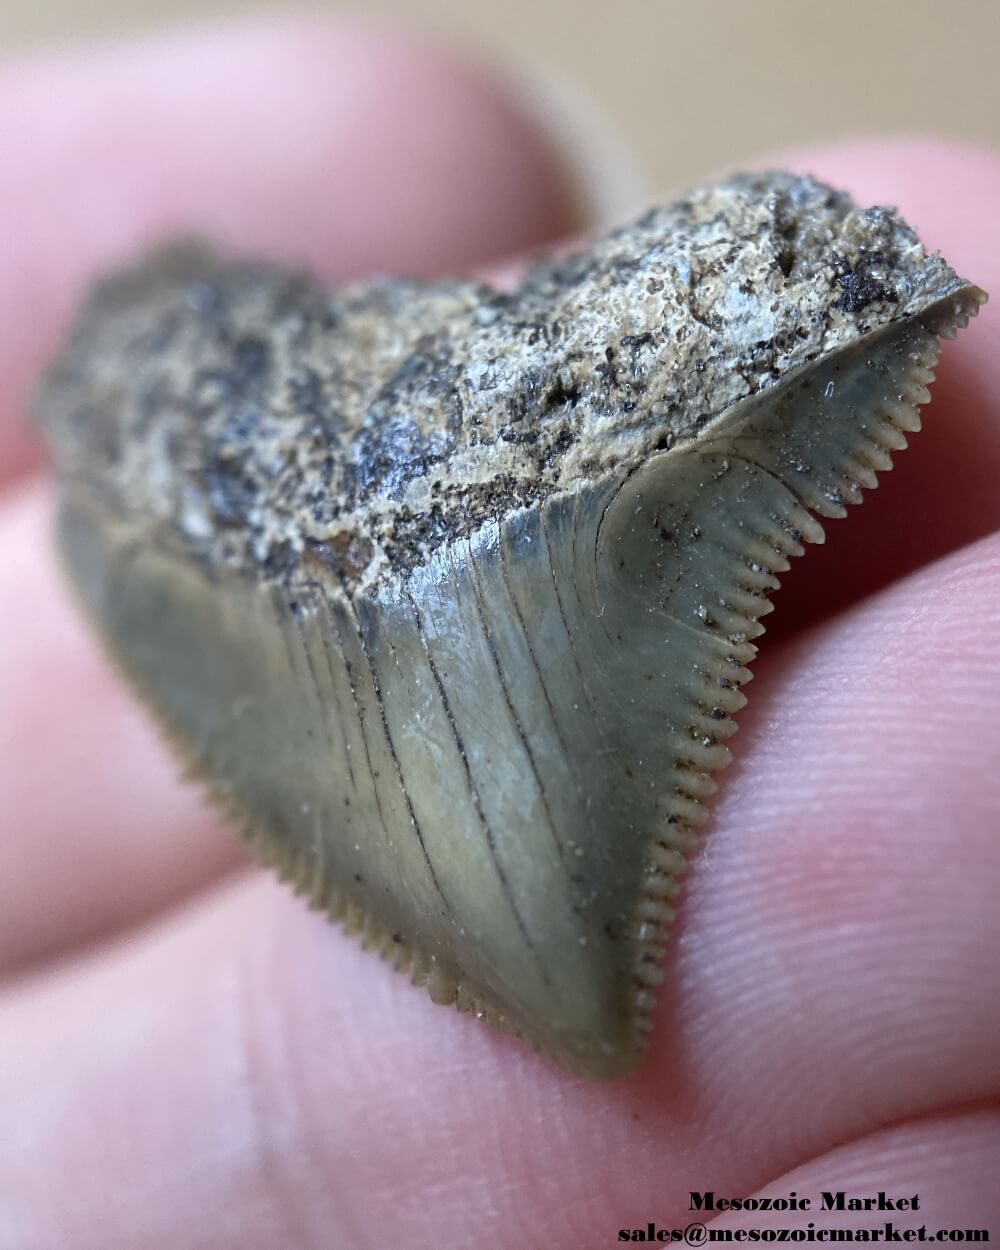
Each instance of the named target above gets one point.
<point>684,86</point>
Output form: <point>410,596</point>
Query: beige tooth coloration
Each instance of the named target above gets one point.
<point>447,593</point>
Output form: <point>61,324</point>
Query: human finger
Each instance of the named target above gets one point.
<point>833,973</point>
<point>320,140</point>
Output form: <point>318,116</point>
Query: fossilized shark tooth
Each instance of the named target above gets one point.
<point>449,592</point>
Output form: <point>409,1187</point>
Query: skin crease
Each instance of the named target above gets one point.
<point>230,1071</point>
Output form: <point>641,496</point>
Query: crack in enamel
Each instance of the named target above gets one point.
<point>487,749</point>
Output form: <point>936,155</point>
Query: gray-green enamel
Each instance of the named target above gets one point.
<point>494,753</point>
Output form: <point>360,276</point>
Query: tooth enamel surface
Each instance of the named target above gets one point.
<point>447,593</point>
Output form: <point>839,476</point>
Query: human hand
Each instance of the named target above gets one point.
<point>188,1058</point>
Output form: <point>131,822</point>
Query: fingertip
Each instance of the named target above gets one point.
<point>318,140</point>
